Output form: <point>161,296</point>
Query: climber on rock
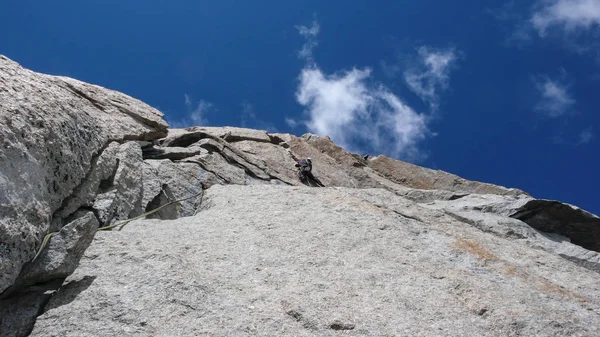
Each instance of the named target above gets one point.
<point>305,169</point>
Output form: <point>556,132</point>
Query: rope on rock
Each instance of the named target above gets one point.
<point>119,224</point>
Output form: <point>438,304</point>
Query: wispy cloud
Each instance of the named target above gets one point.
<point>431,75</point>
<point>355,112</point>
<point>292,123</point>
<point>196,114</point>
<point>249,119</point>
<point>586,136</point>
<point>575,24</point>
<point>566,15</point>
<point>555,100</point>
<point>390,70</point>
<point>310,34</point>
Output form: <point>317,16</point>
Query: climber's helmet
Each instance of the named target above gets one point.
<point>309,160</point>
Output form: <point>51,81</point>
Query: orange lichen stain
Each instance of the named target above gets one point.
<point>511,271</point>
<point>552,288</point>
<point>543,285</point>
<point>540,283</point>
<point>474,249</point>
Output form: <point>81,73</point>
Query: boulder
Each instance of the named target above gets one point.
<point>122,193</point>
<point>61,255</point>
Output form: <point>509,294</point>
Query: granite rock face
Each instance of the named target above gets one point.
<point>241,247</point>
<point>299,261</point>
<point>52,129</point>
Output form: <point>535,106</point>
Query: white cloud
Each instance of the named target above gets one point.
<point>248,115</point>
<point>575,24</point>
<point>555,100</point>
<point>344,107</point>
<point>195,117</point>
<point>310,34</point>
<point>568,15</point>
<point>292,123</point>
<point>356,115</point>
<point>198,115</point>
<point>431,75</point>
<point>586,136</point>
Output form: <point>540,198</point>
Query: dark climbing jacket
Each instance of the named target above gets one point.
<point>304,165</point>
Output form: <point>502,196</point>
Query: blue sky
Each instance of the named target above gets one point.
<point>497,91</point>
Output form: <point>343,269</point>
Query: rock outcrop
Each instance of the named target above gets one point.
<point>52,131</point>
<point>387,248</point>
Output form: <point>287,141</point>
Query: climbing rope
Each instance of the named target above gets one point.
<point>119,224</point>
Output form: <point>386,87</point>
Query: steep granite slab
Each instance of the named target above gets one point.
<point>419,177</point>
<point>51,130</point>
<point>298,261</point>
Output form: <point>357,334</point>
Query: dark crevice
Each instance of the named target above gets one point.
<point>80,212</point>
<point>152,152</point>
<point>398,213</point>
<point>341,326</point>
<point>231,138</point>
<point>107,184</point>
<point>186,140</point>
<point>164,197</point>
<point>22,313</point>
<point>275,139</point>
<point>85,96</point>
<point>159,153</point>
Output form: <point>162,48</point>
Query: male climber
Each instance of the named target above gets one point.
<point>305,167</point>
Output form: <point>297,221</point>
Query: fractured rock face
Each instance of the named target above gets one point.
<point>51,129</point>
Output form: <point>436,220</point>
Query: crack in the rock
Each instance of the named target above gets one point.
<point>77,189</point>
<point>99,105</point>
<point>198,208</point>
<point>202,166</point>
<point>85,96</point>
